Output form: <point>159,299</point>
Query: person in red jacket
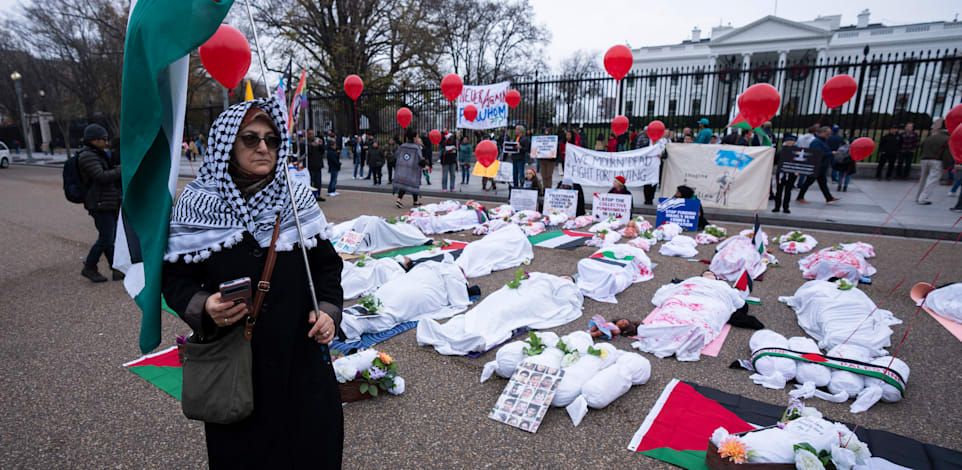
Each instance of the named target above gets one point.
<point>612,143</point>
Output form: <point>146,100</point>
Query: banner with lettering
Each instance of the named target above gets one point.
<point>594,168</point>
<point>723,176</point>
<point>489,101</point>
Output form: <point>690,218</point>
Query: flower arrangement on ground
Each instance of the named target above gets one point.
<point>372,370</point>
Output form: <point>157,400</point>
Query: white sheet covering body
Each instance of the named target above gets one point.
<point>430,290</point>
<point>542,301</point>
<point>611,270</point>
<point>946,302</point>
<point>807,243</point>
<point>357,281</point>
<point>680,245</point>
<point>830,315</point>
<point>689,315</point>
<point>503,249</point>
<point>379,235</point>
<point>737,254</point>
<point>464,218</point>
<point>830,262</point>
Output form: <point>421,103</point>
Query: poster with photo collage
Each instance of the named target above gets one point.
<point>526,398</point>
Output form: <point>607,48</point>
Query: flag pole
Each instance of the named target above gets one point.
<point>325,351</point>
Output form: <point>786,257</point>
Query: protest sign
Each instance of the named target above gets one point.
<point>562,200</point>
<point>527,396</point>
<point>544,146</point>
<point>799,160</point>
<point>605,205</point>
<point>683,212</point>
<point>301,175</point>
<point>349,242</point>
<point>524,199</point>
<point>490,172</point>
<point>511,147</point>
<point>489,101</point>
<point>594,168</point>
<point>722,176</point>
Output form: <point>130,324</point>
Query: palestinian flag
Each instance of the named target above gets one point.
<point>563,239</point>
<point>756,239</point>
<point>162,369</point>
<point>736,121</point>
<point>680,423</point>
<point>160,35</point>
<point>609,257</point>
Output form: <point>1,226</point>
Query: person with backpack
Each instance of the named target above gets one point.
<point>102,199</point>
<point>844,166</point>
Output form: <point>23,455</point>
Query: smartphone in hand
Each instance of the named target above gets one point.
<point>236,291</point>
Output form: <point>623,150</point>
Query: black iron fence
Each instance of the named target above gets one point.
<point>892,89</point>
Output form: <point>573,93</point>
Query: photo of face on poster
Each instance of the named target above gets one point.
<point>525,399</point>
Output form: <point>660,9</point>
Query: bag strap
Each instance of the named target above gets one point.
<point>264,286</point>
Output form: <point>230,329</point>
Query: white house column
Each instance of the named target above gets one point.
<point>711,80</point>
<point>780,78</point>
<point>745,75</point>
<point>815,97</point>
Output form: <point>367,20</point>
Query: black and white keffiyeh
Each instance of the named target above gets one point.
<point>211,214</point>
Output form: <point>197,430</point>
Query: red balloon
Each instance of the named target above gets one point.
<point>435,136</point>
<point>404,117</point>
<point>758,104</point>
<point>353,86</point>
<point>451,86</point>
<point>656,129</point>
<point>838,90</point>
<point>470,112</point>
<point>226,56</point>
<point>513,98</point>
<point>954,118</point>
<point>955,144</point>
<point>619,125</point>
<point>486,152</point>
<point>618,61</point>
<point>861,148</point>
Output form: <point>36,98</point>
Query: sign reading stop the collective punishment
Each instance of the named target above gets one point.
<point>683,212</point>
<point>605,205</point>
<point>561,200</point>
<point>594,168</point>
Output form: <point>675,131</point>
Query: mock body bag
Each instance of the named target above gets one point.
<point>218,375</point>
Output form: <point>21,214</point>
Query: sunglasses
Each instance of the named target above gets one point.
<point>251,141</point>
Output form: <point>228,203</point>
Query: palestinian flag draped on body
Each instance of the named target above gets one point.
<point>160,35</point>
<point>563,239</point>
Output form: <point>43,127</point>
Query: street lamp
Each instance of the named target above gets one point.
<point>15,76</point>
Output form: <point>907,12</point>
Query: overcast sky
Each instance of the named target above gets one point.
<point>598,25</point>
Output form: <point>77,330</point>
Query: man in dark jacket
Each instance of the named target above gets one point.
<point>889,147</point>
<point>819,144</point>
<point>315,161</point>
<point>333,163</point>
<point>103,199</point>
<point>375,158</point>
<point>519,159</point>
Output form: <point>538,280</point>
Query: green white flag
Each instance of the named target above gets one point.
<point>160,35</point>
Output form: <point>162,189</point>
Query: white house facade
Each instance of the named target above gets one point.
<point>785,53</point>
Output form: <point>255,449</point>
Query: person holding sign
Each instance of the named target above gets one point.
<point>689,193</point>
<point>567,183</point>
<point>531,181</point>
<point>786,181</point>
<point>546,165</point>
<point>618,187</point>
<point>519,159</point>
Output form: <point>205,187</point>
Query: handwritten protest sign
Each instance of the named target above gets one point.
<point>604,205</point>
<point>524,200</point>
<point>594,168</point>
<point>562,200</point>
<point>683,212</point>
<point>349,242</point>
<point>544,146</point>
<point>489,101</point>
<point>723,176</point>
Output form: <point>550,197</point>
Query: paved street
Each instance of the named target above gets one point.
<point>68,403</point>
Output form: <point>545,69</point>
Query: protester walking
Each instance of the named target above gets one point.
<point>465,159</point>
<point>889,147</point>
<point>844,167</point>
<point>333,162</point>
<point>934,150</point>
<point>315,161</point>
<point>393,144</point>
<point>102,201</point>
<point>375,158</point>
<point>819,144</point>
<point>407,170</point>
<point>910,141</point>
<point>237,213</point>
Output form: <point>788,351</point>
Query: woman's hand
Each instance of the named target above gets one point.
<point>323,329</point>
<point>224,313</point>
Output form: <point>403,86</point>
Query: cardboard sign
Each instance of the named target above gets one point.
<point>524,200</point>
<point>349,242</point>
<point>544,146</point>
<point>526,398</point>
<point>561,200</point>
<point>799,160</point>
<point>605,205</point>
<point>683,212</point>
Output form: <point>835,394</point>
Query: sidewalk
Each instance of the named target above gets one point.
<point>866,205</point>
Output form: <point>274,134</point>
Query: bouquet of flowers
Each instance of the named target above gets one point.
<point>371,371</point>
<point>370,303</point>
